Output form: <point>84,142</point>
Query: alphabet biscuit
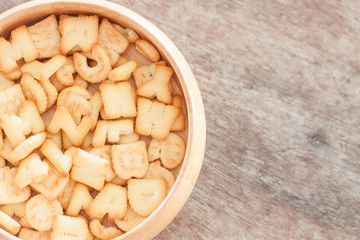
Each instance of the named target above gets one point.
<point>53,185</point>
<point>130,160</point>
<point>145,195</point>
<point>111,40</point>
<point>154,118</point>
<point>65,226</point>
<point>102,232</point>
<point>8,192</point>
<point>97,73</point>
<point>46,36</point>
<point>170,151</point>
<point>89,169</point>
<point>112,200</point>
<point>81,31</point>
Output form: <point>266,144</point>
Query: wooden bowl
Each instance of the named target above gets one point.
<point>186,85</point>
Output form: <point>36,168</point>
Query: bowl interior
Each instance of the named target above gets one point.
<point>184,84</point>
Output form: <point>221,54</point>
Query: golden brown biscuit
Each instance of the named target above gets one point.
<point>65,226</point>
<point>179,123</point>
<point>122,60</point>
<point>112,200</point>
<point>118,100</point>
<point>33,91</point>
<point>112,40</point>
<point>119,181</point>
<point>67,144</point>
<point>9,224</point>
<point>14,75</point>
<point>89,169</point>
<point>46,36</point>
<point>79,81</point>
<point>51,92</point>
<point>65,197</point>
<point>80,199</point>
<point>21,39</point>
<point>131,220</point>
<point>42,71</point>
<point>102,232</point>
<point>5,83</point>
<point>15,128</point>
<point>18,210</point>
<point>88,140</point>
<point>58,85</point>
<point>26,147</point>
<point>154,118</point>
<point>8,192</point>
<point>1,140</point>
<point>29,113</point>
<point>97,73</point>
<point>41,212</point>
<point>6,151</point>
<point>28,234</point>
<point>156,171</point>
<point>145,195</point>
<point>81,31</point>
<point>130,160</point>
<point>147,49</point>
<point>65,73</point>
<point>144,73</point>
<point>56,138</point>
<point>158,86</point>
<point>170,151</point>
<point>11,99</point>
<point>75,89</point>
<point>8,57</point>
<point>53,185</point>
<point>61,161</point>
<point>111,131</point>
<point>123,72</point>
<point>63,120</point>
<point>129,138</point>
<point>96,104</point>
<point>128,33</point>
<point>2,162</point>
<point>104,153</point>
<point>78,106</point>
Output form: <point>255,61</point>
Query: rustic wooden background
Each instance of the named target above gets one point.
<point>280,82</point>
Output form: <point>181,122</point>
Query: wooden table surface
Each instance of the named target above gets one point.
<point>280,82</point>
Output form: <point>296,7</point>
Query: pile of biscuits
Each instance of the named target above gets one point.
<point>87,142</point>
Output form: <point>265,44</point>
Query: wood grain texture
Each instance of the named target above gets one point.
<point>280,82</point>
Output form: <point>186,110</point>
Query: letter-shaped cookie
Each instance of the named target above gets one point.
<point>158,86</point>
<point>89,169</point>
<point>43,71</point>
<point>31,170</point>
<point>112,40</point>
<point>111,130</point>
<point>11,99</point>
<point>79,31</point>
<point>112,200</point>
<point>46,36</point>
<point>8,57</point>
<point>65,226</point>
<point>63,120</point>
<point>154,118</point>
<point>62,161</point>
<point>80,199</point>
<point>8,192</point>
<point>20,39</point>
<point>15,128</point>
<point>118,99</point>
